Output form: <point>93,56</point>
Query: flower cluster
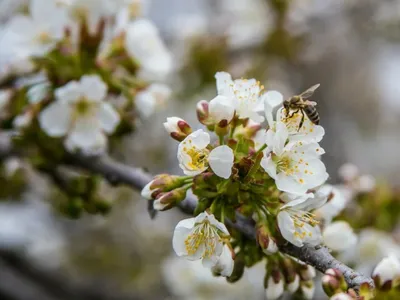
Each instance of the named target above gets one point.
<point>80,71</point>
<point>272,174</point>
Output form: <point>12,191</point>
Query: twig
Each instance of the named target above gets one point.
<point>117,173</point>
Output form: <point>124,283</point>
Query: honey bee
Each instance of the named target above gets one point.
<point>300,103</point>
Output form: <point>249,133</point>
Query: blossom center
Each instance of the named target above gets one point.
<point>198,158</point>
<point>44,37</point>
<point>300,218</point>
<point>83,107</point>
<point>284,164</point>
<point>202,234</point>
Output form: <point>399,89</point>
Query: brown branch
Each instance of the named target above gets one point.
<point>117,173</point>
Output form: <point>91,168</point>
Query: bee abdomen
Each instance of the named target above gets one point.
<point>312,114</point>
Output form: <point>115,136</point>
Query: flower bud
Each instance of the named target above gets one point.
<point>165,201</point>
<point>273,285</point>
<point>307,289</point>
<point>178,128</point>
<point>265,240</point>
<point>341,296</point>
<point>387,272</point>
<point>307,272</point>
<point>161,183</point>
<point>225,263</point>
<point>203,112</point>
<point>331,282</point>
<point>293,286</point>
<point>248,131</point>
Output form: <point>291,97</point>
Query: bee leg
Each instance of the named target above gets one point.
<point>293,113</point>
<point>301,121</point>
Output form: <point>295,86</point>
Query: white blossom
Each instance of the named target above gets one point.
<point>80,113</point>
<point>339,236</point>
<point>296,224</point>
<point>388,269</point>
<point>296,167</point>
<point>244,95</point>
<point>200,238</point>
<point>220,108</point>
<point>37,33</point>
<point>143,44</point>
<point>150,99</point>
<point>224,264</point>
<point>194,157</point>
<point>275,287</point>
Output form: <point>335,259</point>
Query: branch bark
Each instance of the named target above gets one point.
<point>117,173</point>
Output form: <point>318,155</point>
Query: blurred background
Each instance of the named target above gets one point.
<point>350,47</point>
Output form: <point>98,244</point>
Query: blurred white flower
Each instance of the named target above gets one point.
<point>387,270</point>
<point>201,238</point>
<point>348,172</point>
<point>38,33</point>
<point>80,112</point>
<point>143,44</point>
<point>373,245</point>
<point>296,224</point>
<point>194,157</point>
<point>12,165</point>
<point>248,22</point>
<point>243,94</point>
<point>365,184</point>
<point>339,236</point>
<point>296,167</point>
<point>189,280</point>
<point>150,99</point>
<point>5,97</point>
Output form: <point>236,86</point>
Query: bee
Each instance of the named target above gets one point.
<point>300,103</point>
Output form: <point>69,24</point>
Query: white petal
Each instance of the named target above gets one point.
<point>69,93</point>
<point>199,138</point>
<point>145,103</point>
<point>180,234</point>
<point>55,119</point>
<point>221,161</point>
<point>224,83</point>
<point>225,263</point>
<point>339,236</point>
<point>289,184</point>
<point>388,269</point>
<point>221,108</point>
<point>109,117</point>
<point>93,87</point>
<point>287,229</point>
<point>294,285</point>
<point>86,135</point>
<point>269,166</point>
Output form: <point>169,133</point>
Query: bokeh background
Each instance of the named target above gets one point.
<point>350,47</point>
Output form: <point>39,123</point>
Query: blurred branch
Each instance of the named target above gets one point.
<point>117,173</point>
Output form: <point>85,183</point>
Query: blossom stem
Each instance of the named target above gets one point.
<point>221,140</point>
<point>261,149</point>
<point>254,167</point>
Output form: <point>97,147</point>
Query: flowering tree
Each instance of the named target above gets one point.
<point>77,76</point>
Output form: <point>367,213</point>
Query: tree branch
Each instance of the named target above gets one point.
<point>117,173</point>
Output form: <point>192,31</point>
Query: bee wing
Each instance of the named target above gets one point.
<point>312,103</point>
<point>308,93</point>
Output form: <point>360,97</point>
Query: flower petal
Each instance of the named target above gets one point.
<point>221,161</point>
<point>93,87</point>
<point>109,117</point>
<point>269,166</point>
<point>55,119</point>
<point>287,229</point>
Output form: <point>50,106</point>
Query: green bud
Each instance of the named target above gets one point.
<point>165,201</point>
